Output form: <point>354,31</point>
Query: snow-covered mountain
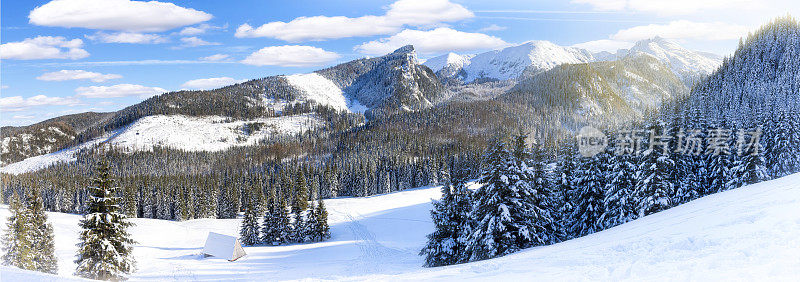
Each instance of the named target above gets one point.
<point>690,66</point>
<point>396,81</point>
<point>618,91</point>
<point>537,56</point>
<point>510,62</point>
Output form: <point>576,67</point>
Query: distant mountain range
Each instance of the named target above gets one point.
<point>538,56</point>
<point>571,84</point>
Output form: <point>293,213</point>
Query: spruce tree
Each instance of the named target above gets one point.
<point>104,251</point>
<point>589,196</point>
<point>749,169</point>
<point>249,231</point>
<point>310,230</point>
<point>271,231</point>
<point>619,202</point>
<point>17,239</point>
<point>502,210</point>
<point>42,238</point>
<point>323,230</point>
<point>655,181</point>
<point>446,245</point>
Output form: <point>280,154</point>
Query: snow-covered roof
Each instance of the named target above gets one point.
<point>223,246</point>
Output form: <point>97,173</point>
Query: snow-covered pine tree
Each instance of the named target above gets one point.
<point>446,244</point>
<point>270,231</point>
<point>619,199</point>
<point>655,179</point>
<point>310,231</point>
<point>501,208</point>
<point>748,169</point>
<point>42,238</point>
<point>284,226</point>
<point>588,197</point>
<point>17,239</point>
<point>300,224</point>
<point>565,180</point>
<point>104,251</point>
<point>719,173</point>
<point>249,231</point>
<point>323,230</point>
<point>544,224</point>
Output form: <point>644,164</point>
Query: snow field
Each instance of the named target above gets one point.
<point>745,234</point>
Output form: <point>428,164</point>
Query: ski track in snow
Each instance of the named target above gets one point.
<point>750,233</point>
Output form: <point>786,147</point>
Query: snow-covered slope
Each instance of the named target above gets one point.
<point>213,133</point>
<point>751,233</point>
<point>690,66</point>
<point>448,65</point>
<point>317,88</point>
<point>507,63</point>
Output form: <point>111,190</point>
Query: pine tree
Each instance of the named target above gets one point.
<point>284,226</point>
<point>42,238</point>
<point>655,180</point>
<point>589,196</point>
<point>619,202</point>
<point>310,231</point>
<point>749,169</point>
<point>502,210</point>
<point>17,239</point>
<point>104,251</point>
<point>276,221</point>
<point>249,232</point>
<point>446,245</point>
<point>323,230</point>
<point>300,224</point>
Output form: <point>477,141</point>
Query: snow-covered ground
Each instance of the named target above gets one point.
<point>750,233</point>
<point>213,133</point>
<point>315,87</point>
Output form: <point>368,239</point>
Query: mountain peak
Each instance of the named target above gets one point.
<point>405,49</point>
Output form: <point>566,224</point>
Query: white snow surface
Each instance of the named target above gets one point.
<point>211,133</point>
<point>452,60</point>
<point>323,91</point>
<point>688,65</point>
<point>746,234</point>
<point>510,62</point>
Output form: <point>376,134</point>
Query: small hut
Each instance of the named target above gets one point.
<point>223,246</point>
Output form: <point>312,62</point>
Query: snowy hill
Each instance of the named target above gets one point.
<point>211,133</point>
<point>536,56</point>
<point>690,66</point>
<point>616,91</point>
<point>749,233</point>
<point>508,63</point>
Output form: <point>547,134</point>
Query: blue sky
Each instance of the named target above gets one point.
<point>70,56</point>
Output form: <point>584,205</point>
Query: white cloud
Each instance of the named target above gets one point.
<point>63,75</point>
<point>195,41</point>
<point>119,90</point>
<point>399,14</point>
<point>23,117</point>
<point>44,47</point>
<point>210,83</point>
<point>128,37</point>
<point>197,30</point>
<point>604,45</point>
<point>16,103</point>
<point>215,57</point>
<point>671,7</point>
<point>493,27</point>
<point>683,29</point>
<point>438,40</point>
<point>122,15</point>
<point>4,87</point>
<point>290,56</point>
